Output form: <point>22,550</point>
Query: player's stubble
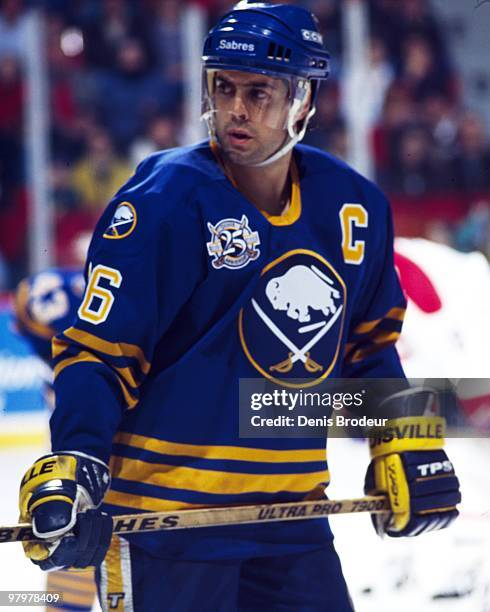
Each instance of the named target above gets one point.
<point>263,143</point>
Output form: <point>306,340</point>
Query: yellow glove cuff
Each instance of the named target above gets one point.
<point>45,469</point>
<point>407,434</point>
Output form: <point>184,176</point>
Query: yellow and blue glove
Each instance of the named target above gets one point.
<point>409,465</point>
<point>60,494</point>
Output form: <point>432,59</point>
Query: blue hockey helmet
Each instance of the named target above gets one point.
<point>275,39</point>
<point>279,40</point>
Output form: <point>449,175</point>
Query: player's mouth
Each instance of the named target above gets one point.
<point>238,137</point>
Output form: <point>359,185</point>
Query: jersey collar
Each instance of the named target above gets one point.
<point>292,212</point>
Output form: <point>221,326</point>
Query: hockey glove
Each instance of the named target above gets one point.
<point>60,495</point>
<point>409,465</point>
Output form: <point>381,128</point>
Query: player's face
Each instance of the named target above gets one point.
<point>251,114</point>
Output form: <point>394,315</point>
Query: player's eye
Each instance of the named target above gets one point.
<point>259,95</point>
<point>224,88</point>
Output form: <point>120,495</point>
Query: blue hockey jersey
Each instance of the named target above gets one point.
<point>191,288</point>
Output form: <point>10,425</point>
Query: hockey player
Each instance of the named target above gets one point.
<point>245,256</point>
<point>45,304</point>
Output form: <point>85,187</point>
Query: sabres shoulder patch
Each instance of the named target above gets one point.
<point>122,223</point>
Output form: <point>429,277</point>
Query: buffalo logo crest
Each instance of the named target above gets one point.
<point>293,324</point>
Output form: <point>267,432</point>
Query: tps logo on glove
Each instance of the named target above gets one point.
<point>435,467</point>
<point>416,474</point>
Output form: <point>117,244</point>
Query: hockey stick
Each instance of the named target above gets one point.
<point>218,517</point>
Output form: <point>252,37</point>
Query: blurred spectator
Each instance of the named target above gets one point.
<point>4,274</point>
<point>166,33</point>
<point>99,174</point>
<point>338,141</point>
<point>473,233</point>
<point>64,195</point>
<point>398,113</point>
<point>472,161</point>
<point>12,28</point>
<point>69,141</point>
<point>380,75</point>
<point>128,96</point>
<point>73,233</point>
<point>13,232</point>
<point>439,114</point>
<point>385,15</point>
<point>61,66</point>
<point>419,71</point>
<point>411,172</point>
<point>439,231</point>
<point>110,28</point>
<point>11,115</point>
<point>397,21</point>
<point>161,134</point>
<point>417,19</point>
<point>369,84</point>
<point>11,97</point>
<point>326,117</point>
<point>329,15</point>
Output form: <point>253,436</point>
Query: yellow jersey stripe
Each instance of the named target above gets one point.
<point>383,337</point>
<point>116,349</point>
<point>74,594</point>
<point>142,502</point>
<point>213,481</point>
<point>127,373</point>
<point>86,357</point>
<point>58,346</point>
<point>131,401</point>
<point>366,327</point>
<point>83,356</point>
<point>293,213</point>
<point>238,453</point>
<point>396,313</point>
<point>361,354</point>
<point>81,580</point>
<point>113,566</point>
<point>151,504</point>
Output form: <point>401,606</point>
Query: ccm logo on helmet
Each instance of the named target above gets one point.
<point>233,45</point>
<point>311,35</point>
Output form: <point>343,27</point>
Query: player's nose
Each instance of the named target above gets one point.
<point>239,107</point>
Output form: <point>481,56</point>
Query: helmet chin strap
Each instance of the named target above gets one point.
<point>294,137</point>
